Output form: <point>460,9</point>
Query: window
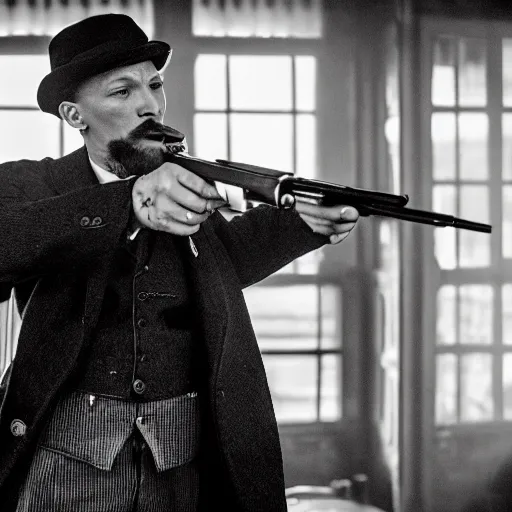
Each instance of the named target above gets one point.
<point>259,107</point>
<point>261,110</point>
<point>471,178</point>
<point>298,328</point>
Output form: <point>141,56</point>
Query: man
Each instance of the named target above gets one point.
<point>137,382</point>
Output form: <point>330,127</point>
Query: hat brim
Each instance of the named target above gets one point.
<point>60,84</point>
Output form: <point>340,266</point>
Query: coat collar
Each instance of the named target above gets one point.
<point>73,171</point>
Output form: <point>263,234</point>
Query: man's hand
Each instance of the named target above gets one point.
<point>334,221</point>
<point>174,200</point>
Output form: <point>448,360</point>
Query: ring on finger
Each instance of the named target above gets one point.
<point>189,215</point>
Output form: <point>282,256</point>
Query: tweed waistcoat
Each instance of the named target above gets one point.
<point>144,346</point>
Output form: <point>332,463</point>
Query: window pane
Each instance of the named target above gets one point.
<point>507,386</point>
<point>443,146</point>
<point>305,83</point>
<point>245,129</point>
<point>473,134</point>
<point>476,314</point>
<point>306,146</point>
<point>446,315</point>
<point>20,76</point>
<point>250,18</point>
<point>307,264</point>
<point>330,317</point>
<point>506,302</point>
<point>443,73</point>
<point>293,383</point>
<point>476,398</point>
<point>444,201</point>
<point>472,72</point>
<point>507,72</point>
<point>446,389</point>
<point>475,248</point>
<point>210,82</point>
<point>260,83</point>
<point>507,146</point>
<point>210,136</point>
<point>507,221</point>
<point>330,393</point>
<point>72,139</point>
<point>40,135</point>
<point>300,317</point>
<point>284,317</point>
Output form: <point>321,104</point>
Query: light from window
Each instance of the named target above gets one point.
<point>28,134</point>
<point>260,110</point>
<point>262,139</point>
<point>298,329</point>
<point>443,72</point>
<point>446,389</point>
<point>507,71</point>
<point>210,82</point>
<point>20,77</point>
<point>444,136</point>
<point>507,386</point>
<point>472,72</point>
<point>72,139</point>
<point>257,18</point>
<point>473,143</point>
<point>465,318</point>
<point>506,303</point>
<point>447,315</point>
<point>476,397</point>
<point>507,146</point>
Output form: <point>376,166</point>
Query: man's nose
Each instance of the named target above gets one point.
<point>149,105</point>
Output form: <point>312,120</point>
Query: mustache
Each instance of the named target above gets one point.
<point>153,130</point>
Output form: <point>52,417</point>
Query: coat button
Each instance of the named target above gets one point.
<point>97,221</point>
<point>142,295</point>
<point>142,322</point>
<point>18,428</point>
<point>139,387</point>
<point>85,221</point>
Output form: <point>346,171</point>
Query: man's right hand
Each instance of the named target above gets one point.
<point>174,200</point>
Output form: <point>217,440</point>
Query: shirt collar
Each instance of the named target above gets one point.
<point>103,175</point>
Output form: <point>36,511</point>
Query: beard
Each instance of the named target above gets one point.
<point>129,157</point>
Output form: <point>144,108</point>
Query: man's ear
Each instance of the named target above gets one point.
<point>69,112</point>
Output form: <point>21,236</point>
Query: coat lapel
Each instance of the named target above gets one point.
<point>73,171</point>
<point>209,292</point>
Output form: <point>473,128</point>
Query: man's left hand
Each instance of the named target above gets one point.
<point>336,222</point>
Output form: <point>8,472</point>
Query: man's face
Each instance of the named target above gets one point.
<point>115,103</point>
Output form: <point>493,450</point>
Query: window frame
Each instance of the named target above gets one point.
<point>293,47</point>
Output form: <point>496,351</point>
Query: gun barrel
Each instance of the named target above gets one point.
<point>423,217</point>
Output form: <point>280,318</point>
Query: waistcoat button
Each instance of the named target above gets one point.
<point>18,428</point>
<point>139,387</point>
<point>142,295</point>
<point>142,322</point>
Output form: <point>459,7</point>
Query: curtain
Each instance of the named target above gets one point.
<point>47,17</point>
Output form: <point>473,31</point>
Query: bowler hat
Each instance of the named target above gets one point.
<point>93,46</point>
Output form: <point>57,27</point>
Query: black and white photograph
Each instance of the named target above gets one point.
<point>255,256</point>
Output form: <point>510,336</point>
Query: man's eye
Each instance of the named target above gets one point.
<point>120,92</point>
<point>156,85</point>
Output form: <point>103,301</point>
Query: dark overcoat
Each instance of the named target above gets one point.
<point>59,230</point>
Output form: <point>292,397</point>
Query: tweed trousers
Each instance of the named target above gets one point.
<point>107,455</point>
